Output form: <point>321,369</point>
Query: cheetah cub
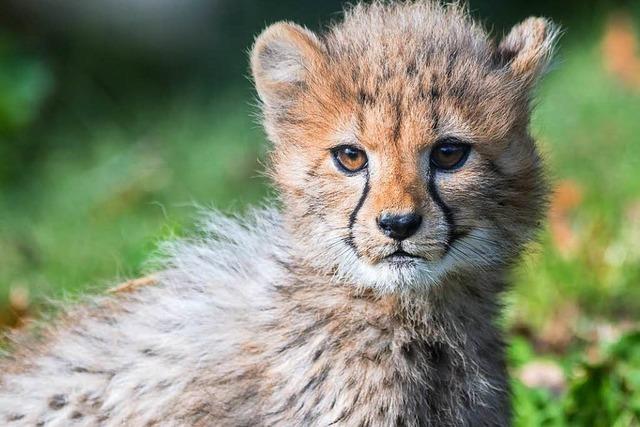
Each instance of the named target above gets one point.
<point>409,183</point>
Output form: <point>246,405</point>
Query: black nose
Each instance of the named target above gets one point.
<point>399,226</point>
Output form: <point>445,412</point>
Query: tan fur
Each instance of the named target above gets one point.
<point>133,285</point>
<point>300,317</point>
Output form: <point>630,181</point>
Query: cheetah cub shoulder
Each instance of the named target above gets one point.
<point>409,183</point>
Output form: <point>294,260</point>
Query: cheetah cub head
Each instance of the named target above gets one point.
<point>400,141</point>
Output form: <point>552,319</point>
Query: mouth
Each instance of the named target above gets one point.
<point>400,257</point>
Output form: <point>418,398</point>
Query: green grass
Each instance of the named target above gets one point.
<point>94,208</point>
<point>90,215</point>
<point>589,129</point>
<point>588,125</point>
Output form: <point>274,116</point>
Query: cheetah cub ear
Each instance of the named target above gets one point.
<point>528,48</point>
<point>284,56</point>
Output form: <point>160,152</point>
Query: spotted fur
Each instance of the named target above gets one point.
<point>299,316</point>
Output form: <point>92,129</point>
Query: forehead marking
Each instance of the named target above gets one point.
<point>434,95</point>
<point>451,60</point>
<point>397,122</point>
<point>429,91</point>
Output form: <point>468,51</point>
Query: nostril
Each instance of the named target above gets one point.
<point>399,226</point>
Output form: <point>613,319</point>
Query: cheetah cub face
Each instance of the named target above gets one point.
<point>401,144</point>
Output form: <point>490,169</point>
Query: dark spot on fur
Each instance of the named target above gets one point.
<point>15,417</point>
<point>412,69</point>
<point>83,370</point>
<point>75,415</point>
<point>268,55</point>
<point>149,352</point>
<point>408,351</point>
<point>438,353</point>
<point>163,384</point>
<point>343,415</point>
<point>434,90</point>
<point>102,418</point>
<point>58,401</point>
<point>317,354</point>
<point>365,98</point>
<point>310,385</point>
<point>382,410</point>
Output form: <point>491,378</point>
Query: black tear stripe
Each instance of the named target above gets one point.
<point>354,214</point>
<point>452,234</point>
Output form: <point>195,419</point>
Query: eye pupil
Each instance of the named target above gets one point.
<point>351,153</point>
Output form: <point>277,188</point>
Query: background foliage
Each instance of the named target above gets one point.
<point>112,131</point>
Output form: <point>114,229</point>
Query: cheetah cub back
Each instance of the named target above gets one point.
<point>409,184</point>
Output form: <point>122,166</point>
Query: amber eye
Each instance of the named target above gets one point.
<point>350,159</point>
<point>450,155</point>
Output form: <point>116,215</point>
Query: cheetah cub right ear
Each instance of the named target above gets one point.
<point>283,57</point>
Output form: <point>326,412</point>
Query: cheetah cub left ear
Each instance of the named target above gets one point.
<point>528,49</point>
<point>284,56</point>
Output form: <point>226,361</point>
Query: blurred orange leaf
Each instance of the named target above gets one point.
<point>567,196</point>
<point>543,374</point>
<point>19,298</point>
<point>559,331</point>
<point>620,52</point>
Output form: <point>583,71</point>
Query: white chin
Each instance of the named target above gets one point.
<point>396,275</point>
<point>478,250</point>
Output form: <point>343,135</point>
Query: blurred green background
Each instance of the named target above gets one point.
<point>119,118</point>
